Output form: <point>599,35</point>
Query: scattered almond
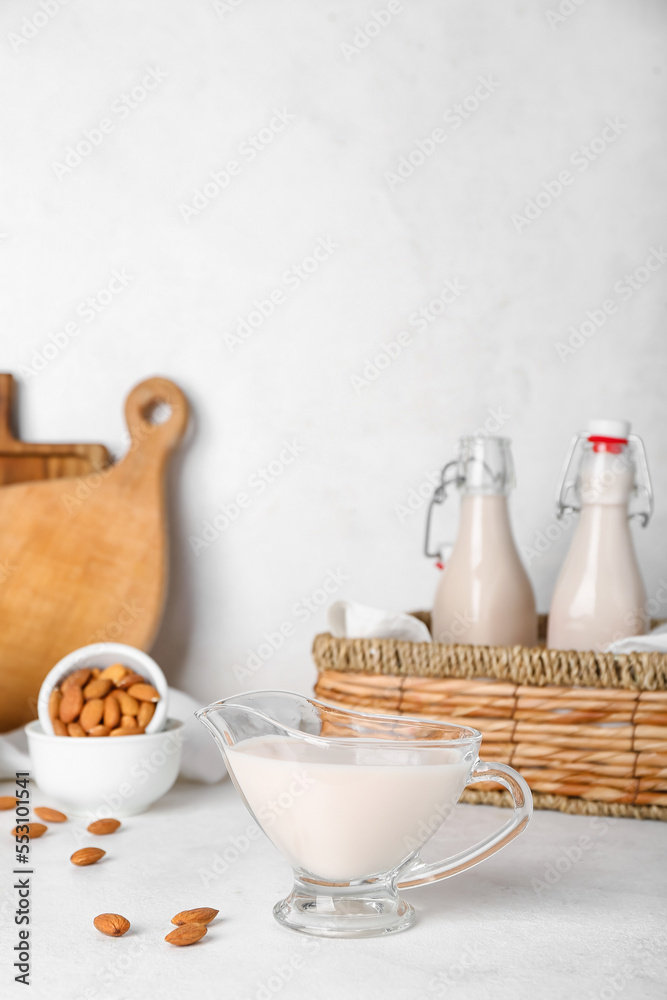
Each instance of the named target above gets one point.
<point>115,672</point>
<point>128,704</point>
<point>34,830</point>
<point>87,856</point>
<point>103,826</point>
<point>200,915</point>
<point>112,924</point>
<point>99,731</point>
<point>97,688</point>
<point>186,934</point>
<point>59,728</point>
<point>145,713</point>
<point>8,801</point>
<point>111,711</point>
<point>75,729</point>
<point>144,692</point>
<point>71,703</point>
<point>91,714</point>
<point>50,815</point>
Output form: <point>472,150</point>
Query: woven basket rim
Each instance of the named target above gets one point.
<point>526,665</point>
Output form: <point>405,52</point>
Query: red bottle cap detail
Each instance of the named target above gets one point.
<point>613,445</point>
<point>608,435</point>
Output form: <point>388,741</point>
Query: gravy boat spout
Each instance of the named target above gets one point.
<point>350,798</point>
<point>259,713</point>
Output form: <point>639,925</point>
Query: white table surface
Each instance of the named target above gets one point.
<point>598,931</point>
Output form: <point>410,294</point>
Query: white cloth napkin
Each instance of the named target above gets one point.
<point>654,642</point>
<point>349,620</point>
<point>200,761</point>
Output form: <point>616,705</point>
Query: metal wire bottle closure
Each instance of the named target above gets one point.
<point>568,499</point>
<point>484,465</point>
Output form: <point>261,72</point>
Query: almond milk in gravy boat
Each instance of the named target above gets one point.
<point>349,799</point>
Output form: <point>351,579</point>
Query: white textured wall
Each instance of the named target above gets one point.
<point>388,245</point>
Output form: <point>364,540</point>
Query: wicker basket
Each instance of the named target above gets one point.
<point>588,731</point>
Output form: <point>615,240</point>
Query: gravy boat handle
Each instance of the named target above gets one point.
<point>419,873</point>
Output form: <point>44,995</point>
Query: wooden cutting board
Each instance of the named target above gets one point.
<point>85,559</point>
<point>23,461</point>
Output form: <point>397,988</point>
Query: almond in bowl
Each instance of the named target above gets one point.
<point>98,689</point>
<point>104,745</point>
<point>102,706</point>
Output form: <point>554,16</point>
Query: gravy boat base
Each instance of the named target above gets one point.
<point>330,910</point>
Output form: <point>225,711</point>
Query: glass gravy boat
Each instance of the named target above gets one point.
<point>349,799</point>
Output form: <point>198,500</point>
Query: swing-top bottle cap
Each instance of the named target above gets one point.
<point>615,430</point>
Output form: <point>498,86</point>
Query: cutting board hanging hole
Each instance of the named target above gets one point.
<point>156,412</point>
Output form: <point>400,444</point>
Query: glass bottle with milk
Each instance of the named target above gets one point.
<point>484,597</point>
<point>599,595</point>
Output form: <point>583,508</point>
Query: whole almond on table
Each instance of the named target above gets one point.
<point>103,826</point>
<point>87,856</point>
<point>7,801</point>
<point>186,934</point>
<point>144,692</point>
<point>34,830</point>
<point>112,924</point>
<point>71,703</point>
<point>200,915</point>
<point>91,714</point>
<point>50,815</point>
<point>97,688</point>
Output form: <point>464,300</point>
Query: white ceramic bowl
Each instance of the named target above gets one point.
<point>108,776</point>
<point>103,654</point>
